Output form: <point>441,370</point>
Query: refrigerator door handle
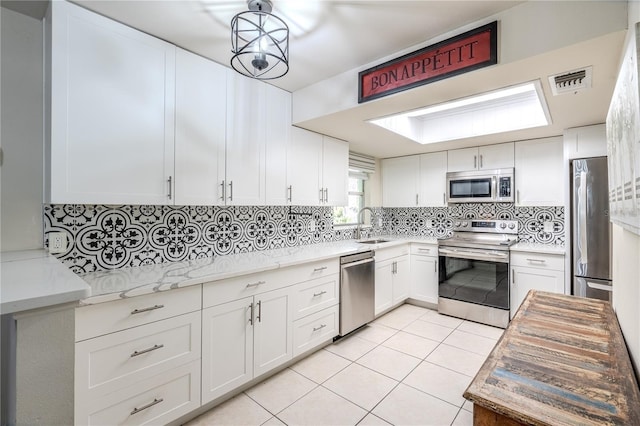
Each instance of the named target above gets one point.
<point>582,220</point>
<point>598,286</point>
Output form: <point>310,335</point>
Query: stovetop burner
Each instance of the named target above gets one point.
<point>484,234</point>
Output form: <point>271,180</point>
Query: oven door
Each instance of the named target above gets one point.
<point>474,276</point>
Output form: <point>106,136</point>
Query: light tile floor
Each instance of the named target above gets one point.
<point>408,367</point>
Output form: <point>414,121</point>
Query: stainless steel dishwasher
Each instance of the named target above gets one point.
<point>357,291</point>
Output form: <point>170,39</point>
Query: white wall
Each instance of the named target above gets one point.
<point>21,132</point>
<point>626,265</point>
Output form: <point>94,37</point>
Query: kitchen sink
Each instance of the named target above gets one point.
<point>377,241</point>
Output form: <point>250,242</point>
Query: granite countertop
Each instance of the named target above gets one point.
<point>33,279</point>
<point>129,282</point>
<point>539,248</point>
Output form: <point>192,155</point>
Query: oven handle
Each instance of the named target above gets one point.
<point>475,255</point>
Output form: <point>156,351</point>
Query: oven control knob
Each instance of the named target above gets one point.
<point>457,225</point>
<point>512,225</point>
<point>503,225</point>
<point>465,224</point>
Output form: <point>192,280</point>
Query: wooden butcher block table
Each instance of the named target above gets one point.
<point>561,361</point>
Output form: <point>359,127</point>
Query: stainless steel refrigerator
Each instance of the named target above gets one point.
<point>591,230</point>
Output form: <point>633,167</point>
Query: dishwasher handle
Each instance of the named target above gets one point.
<point>359,262</point>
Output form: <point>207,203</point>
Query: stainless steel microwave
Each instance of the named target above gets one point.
<point>481,186</point>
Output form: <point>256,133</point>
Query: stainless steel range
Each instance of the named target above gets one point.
<point>474,271</point>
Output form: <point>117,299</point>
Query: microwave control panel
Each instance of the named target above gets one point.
<point>504,187</point>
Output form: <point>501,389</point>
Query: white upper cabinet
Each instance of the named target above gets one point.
<point>317,169</point>
<point>415,181</point>
<point>433,180</point>
<point>278,135</point>
<point>304,167</point>
<point>111,111</point>
<point>335,171</point>
<point>200,130</point>
<point>584,142</point>
<point>539,168</point>
<point>245,148</point>
<point>487,157</point>
<point>400,180</point>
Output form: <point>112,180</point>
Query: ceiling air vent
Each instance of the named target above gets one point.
<point>570,82</point>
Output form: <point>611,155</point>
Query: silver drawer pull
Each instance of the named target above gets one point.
<point>320,269</point>
<point>151,308</point>
<point>144,351</point>
<point>319,328</point>
<point>319,294</point>
<point>256,284</point>
<point>149,405</point>
<point>424,249</point>
<point>536,260</point>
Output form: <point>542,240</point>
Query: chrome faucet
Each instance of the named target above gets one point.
<point>360,220</point>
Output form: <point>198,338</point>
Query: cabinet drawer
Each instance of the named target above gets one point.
<point>424,249</point>
<point>103,318</point>
<point>538,260</point>
<point>157,400</point>
<point>315,329</point>
<point>315,295</point>
<point>391,252</point>
<point>312,270</point>
<point>223,291</point>
<point>107,363</point>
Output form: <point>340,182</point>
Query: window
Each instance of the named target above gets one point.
<point>348,215</point>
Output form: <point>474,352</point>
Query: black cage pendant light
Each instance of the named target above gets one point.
<point>259,42</point>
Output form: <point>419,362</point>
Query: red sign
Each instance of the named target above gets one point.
<point>463,53</point>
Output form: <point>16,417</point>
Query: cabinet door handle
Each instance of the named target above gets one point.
<point>326,195</point>
<point>321,195</point>
<point>222,191</point>
<point>444,198</point>
<point>513,277</point>
<point>251,314</point>
<point>149,405</point>
<point>536,260</point>
<point>150,308</point>
<point>256,284</point>
<point>435,267</point>
<point>289,192</point>
<point>259,317</point>
<point>322,268</point>
<point>320,293</point>
<point>518,196</point>
<point>319,328</point>
<point>417,199</point>
<point>480,160</point>
<point>144,351</point>
<point>170,182</point>
<point>230,190</point>
<point>475,161</point>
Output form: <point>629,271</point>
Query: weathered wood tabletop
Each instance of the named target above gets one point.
<point>561,361</point>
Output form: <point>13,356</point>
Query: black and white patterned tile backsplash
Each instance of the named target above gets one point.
<point>108,237</point>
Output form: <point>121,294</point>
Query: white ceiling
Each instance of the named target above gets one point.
<point>329,37</point>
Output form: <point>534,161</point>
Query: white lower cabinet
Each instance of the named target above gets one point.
<point>424,273</point>
<point>244,339</point>
<point>535,271</point>
<point>313,330</point>
<point>392,279</point>
<point>147,373</point>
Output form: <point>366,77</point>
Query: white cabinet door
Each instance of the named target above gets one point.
<point>401,279</point>
<point>584,142</point>
<point>278,134</point>
<point>433,179</point>
<point>384,286</point>
<point>273,330</point>
<point>245,147</point>
<point>335,171</point>
<point>304,167</point>
<point>112,111</point>
<point>200,130</point>
<point>400,181</point>
<point>424,278</point>
<point>525,279</point>
<point>459,160</point>
<point>227,347</point>
<point>539,171</point>
<point>499,156</point>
